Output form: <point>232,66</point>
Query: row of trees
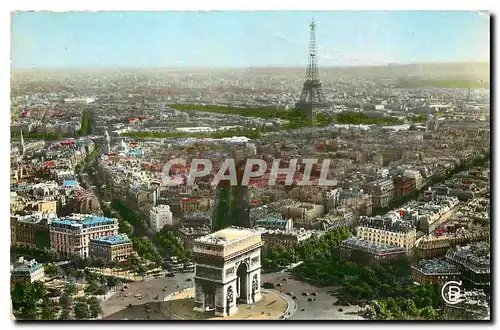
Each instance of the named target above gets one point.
<point>163,244</point>
<point>32,301</point>
<point>358,118</point>
<point>86,124</point>
<point>41,255</point>
<point>169,245</point>
<point>406,309</point>
<point>386,282</point>
<point>123,226</point>
<point>81,308</point>
<point>261,112</point>
<point>297,118</point>
<point>90,157</point>
<point>79,270</point>
<point>40,136</point>
<point>130,224</point>
<point>361,281</point>
<point>278,257</point>
<point>418,118</point>
<point>85,129</point>
<point>252,134</point>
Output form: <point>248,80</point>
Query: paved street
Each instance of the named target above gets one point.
<point>117,306</point>
<point>322,308</point>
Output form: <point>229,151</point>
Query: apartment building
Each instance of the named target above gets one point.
<point>387,230</point>
<point>359,201</point>
<point>32,230</point>
<point>416,177</point>
<point>26,271</point>
<point>434,271</point>
<point>48,206</point>
<point>274,222</point>
<point>302,214</point>
<point>188,235</point>
<point>196,219</point>
<point>474,261</point>
<point>111,248</point>
<point>382,192</point>
<point>70,236</point>
<point>159,217</point>
<point>355,248</point>
<point>281,238</point>
<point>437,244</point>
<point>403,186</point>
<point>195,204</point>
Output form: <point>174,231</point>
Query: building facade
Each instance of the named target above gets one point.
<point>382,192</point>
<point>286,239</point>
<point>32,231</point>
<point>70,236</point>
<point>26,271</point>
<point>111,248</point>
<point>303,214</point>
<point>159,217</point>
<point>434,271</point>
<point>474,261</point>
<point>189,234</point>
<point>387,231</point>
<point>274,222</point>
<point>354,248</point>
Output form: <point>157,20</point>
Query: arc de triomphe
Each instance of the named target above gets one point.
<point>227,270</point>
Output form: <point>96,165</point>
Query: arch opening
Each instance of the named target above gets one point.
<point>242,282</point>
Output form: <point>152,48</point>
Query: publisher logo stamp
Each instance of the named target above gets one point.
<point>452,293</point>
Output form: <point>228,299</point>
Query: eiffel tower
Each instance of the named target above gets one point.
<point>311,98</point>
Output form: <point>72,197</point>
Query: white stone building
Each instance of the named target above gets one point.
<point>159,217</point>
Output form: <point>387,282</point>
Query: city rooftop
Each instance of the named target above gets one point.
<point>112,240</point>
<point>85,220</point>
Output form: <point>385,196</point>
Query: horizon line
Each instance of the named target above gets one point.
<point>271,66</point>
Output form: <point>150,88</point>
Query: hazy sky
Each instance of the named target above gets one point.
<point>245,39</point>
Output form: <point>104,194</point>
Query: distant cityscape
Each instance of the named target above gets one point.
<point>96,233</point>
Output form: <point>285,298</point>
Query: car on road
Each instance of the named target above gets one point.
<point>290,293</point>
<point>311,299</point>
<point>314,293</point>
<point>169,274</point>
<point>156,297</point>
<point>189,279</point>
<point>340,310</point>
<point>305,293</point>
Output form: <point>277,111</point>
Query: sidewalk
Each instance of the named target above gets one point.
<point>108,295</point>
<point>121,275</point>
